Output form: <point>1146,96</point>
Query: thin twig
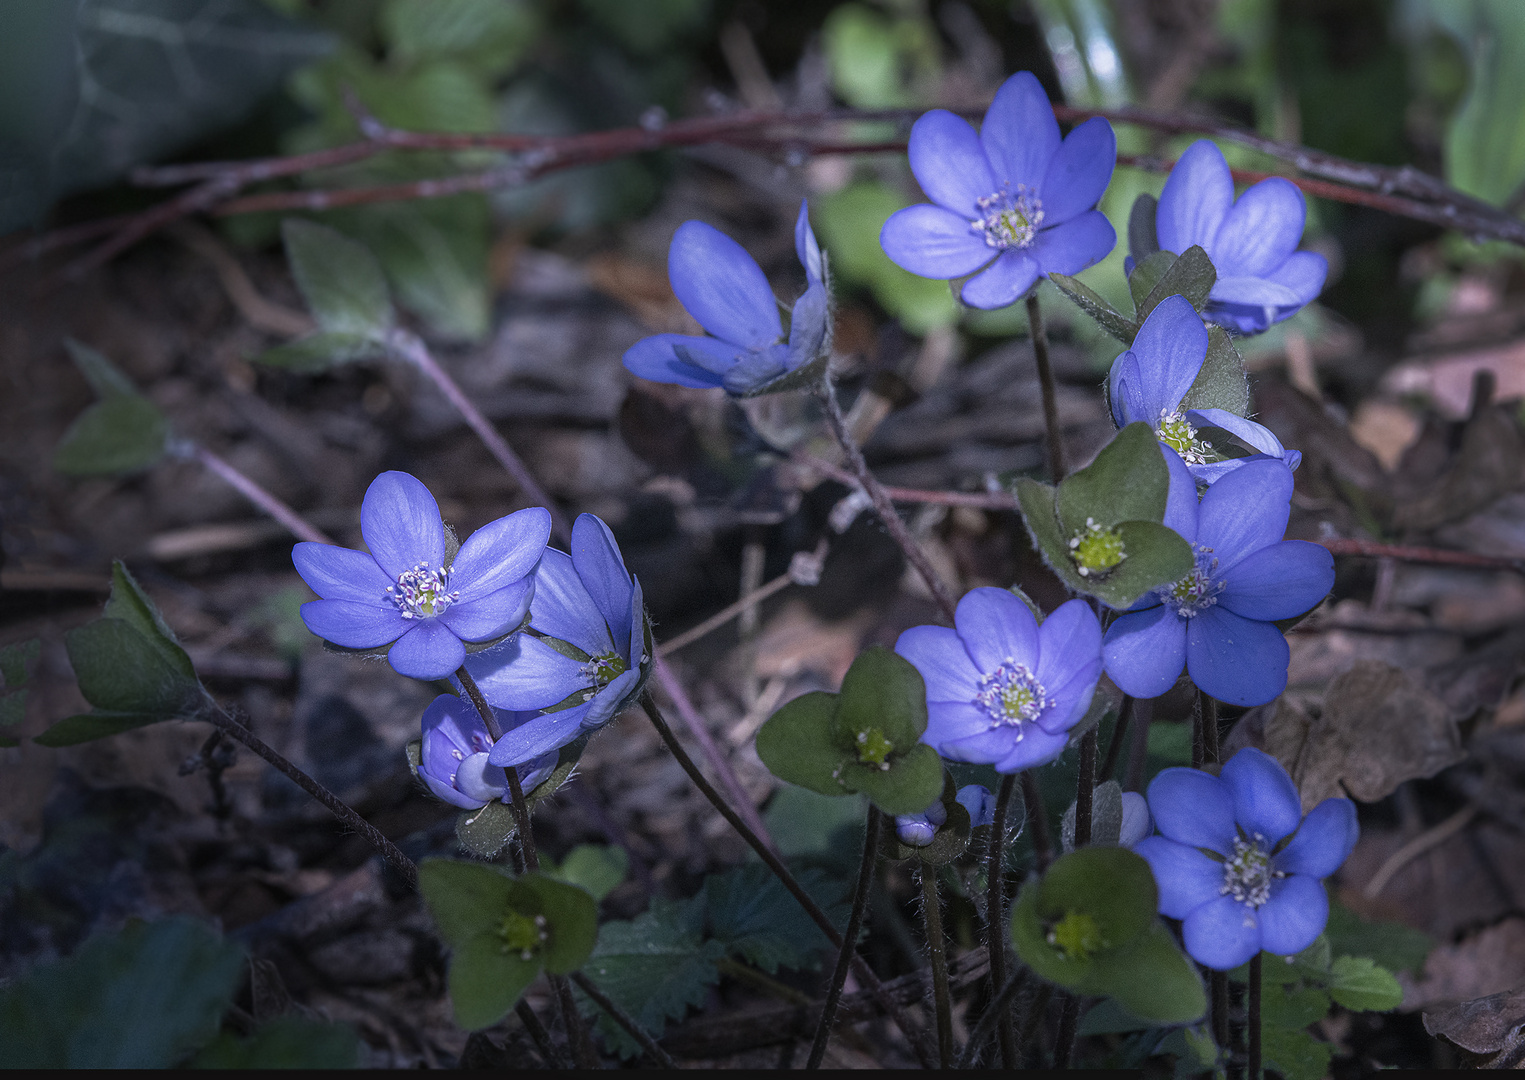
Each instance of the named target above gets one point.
<point>259,496</point>
<point>994,1014</point>
<point>539,1035</point>
<point>583,1052</point>
<point>1416,847</point>
<point>849,938</point>
<point>1210,729</point>
<point>625,1020</point>
<point>337,806</point>
<point>1046,386</point>
<point>1438,556</point>
<point>995,923</point>
<point>937,953</point>
<point>882,504</point>
<point>725,615</point>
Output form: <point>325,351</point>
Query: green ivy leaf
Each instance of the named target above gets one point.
<point>882,691</point>
<point>464,898</point>
<point>1389,944</point>
<point>143,998</point>
<point>100,724</point>
<point>1128,481</point>
<point>1360,985</point>
<point>597,868</point>
<point>120,670</point>
<point>908,786</point>
<point>1292,1007</point>
<point>1295,1054</point>
<point>486,979</point>
<point>1222,383</point>
<point>321,351</point>
<point>340,280</point>
<point>491,36</point>
<point>1192,276</point>
<point>1147,274</point>
<point>751,913</point>
<point>287,1042</point>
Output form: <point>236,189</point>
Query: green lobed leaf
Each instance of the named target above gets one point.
<point>1029,937</point>
<point>1360,985</point>
<point>104,377</point>
<point>120,435</point>
<point>340,279</point>
<point>797,745</point>
<point>487,831</point>
<point>751,913</point>
<point>1151,978</point>
<point>121,670</point>
<point>465,898</point>
<point>1192,276</point>
<point>1222,383</point>
<point>1293,1007</point>
<point>1037,504</point>
<point>287,1042</point>
<point>1146,275</point>
<point>1295,1054</point>
<point>810,825</point>
<point>883,691</point>
<point>1114,322</point>
<point>597,868</point>
<point>908,786</point>
<point>321,351</point>
<point>1128,481</point>
<point>1143,240</point>
<point>142,998</point>
<point>1113,885</point>
<point>486,978</point>
<point>1389,944</point>
<point>571,915</point>
<point>101,724</point>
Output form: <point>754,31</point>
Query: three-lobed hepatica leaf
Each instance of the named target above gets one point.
<point>862,739</point>
<point>1089,925</point>
<point>346,292</point>
<point>129,666</point>
<point>502,930</point>
<point>121,433</point>
<point>1101,530</point>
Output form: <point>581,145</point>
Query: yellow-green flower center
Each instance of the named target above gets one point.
<point>1007,219</point>
<point>1096,549</point>
<point>523,934</point>
<point>605,668</point>
<point>1077,936</point>
<point>1176,432</point>
<point>874,749</point>
<point>422,592</point>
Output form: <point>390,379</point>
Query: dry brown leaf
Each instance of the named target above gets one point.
<point>1489,1025</point>
<point>1488,962</point>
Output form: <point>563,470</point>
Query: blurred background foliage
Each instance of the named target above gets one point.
<point>89,89</point>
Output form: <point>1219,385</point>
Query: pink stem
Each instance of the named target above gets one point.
<point>260,497</point>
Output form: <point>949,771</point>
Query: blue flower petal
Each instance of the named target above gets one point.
<point>808,322</point>
<point>722,286</point>
<point>1259,436</point>
<point>596,557</point>
<point>996,627</point>
<point>355,624</point>
<point>524,673</point>
<point>1253,292</point>
<point>1003,282</point>
<point>757,369</point>
<point>563,609</point>
<point>1069,645</point>
<point>539,736</point>
<point>1187,879</point>
<point>1036,747</point>
<point>938,653</point>
<point>337,573</point>
<point>610,699</point>
<point>1278,582</point>
<point>806,247</point>
<point>1245,511</point>
<point>1073,245</point>
<point>950,723</point>
<point>1236,660</point>
<point>949,163</point>
<point>1145,651</point>
<point>1303,274</point>
<point>478,778</point>
<point>657,358</point>
<point>977,799</point>
<point>635,655</point>
<point>1323,841</point>
<point>500,553</point>
<point>1020,134</point>
<point>1071,702</point>
<point>933,242</point>
<point>428,651</point>
<point>1137,821</point>
<point>1195,200</point>
<point>1222,934</point>
<point>1295,915</point>
<point>1079,171</point>
<point>1181,506</point>
<point>401,524</point>
<point>492,615</point>
<point>1193,808</point>
<point>1170,347</point>
<point>448,794</point>
<point>1125,391</point>
<point>1265,799</point>
<point>1261,230</point>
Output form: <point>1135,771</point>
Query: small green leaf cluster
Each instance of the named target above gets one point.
<point>1100,530</point>
<point>502,931</point>
<point>121,434</point>
<point>347,294</point>
<point>1089,925</point>
<point>152,996</point>
<point>862,739</point>
<point>130,667</point>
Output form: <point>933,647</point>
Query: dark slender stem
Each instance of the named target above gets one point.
<point>1210,752</point>
<point>1218,986</point>
<point>515,788</point>
<point>1254,1018</point>
<point>1138,753</point>
<point>1198,739</point>
<point>1036,1009</point>
<point>479,702</point>
<point>259,496</point>
<point>1119,733</point>
<point>1037,820</point>
<point>410,347</point>
<point>624,1020</point>
<point>882,504</point>
<point>1085,789</point>
<point>583,1052</point>
<point>937,952</point>
<point>1046,386</point>
<point>995,1016</point>
<point>337,806</point>
<point>861,969</point>
<point>995,924</point>
<point>539,1035</point>
<point>849,938</point>
<point>1069,1023</point>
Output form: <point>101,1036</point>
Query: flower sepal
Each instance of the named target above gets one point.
<point>865,738</point>
<point>1100,530</point>
<point>949,838</point>
<point>1089,925</point>
<point>1189,274</point>
<point>486,832</point>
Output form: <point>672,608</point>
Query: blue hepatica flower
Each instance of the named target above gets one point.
<point>919,830</point>
<point>723,288</point>
<point>1000,688</point>
<point>1219,620</point>
<point>1262,277</point>
<point>1237,862</point>
<point>586,601</point>
<point>403,593</point>
<point>977,799</point>
<point>1149,381</point>
<point>454,755</point>
<point>1014,196</point>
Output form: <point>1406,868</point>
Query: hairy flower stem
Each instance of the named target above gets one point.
<point>1205,752</point>
<point>1037,818</point>
<point>881,500</point>
<point>1254,1018</point>
<point>998,1011</point>
<point>849,938</point>
<point>632,1026</point>
<point>1046,385</point>
<point>1210,750</point>
<point>1069,1024</point>
<point>865,974</point>
<point>937,953</point>
<point>539,1035</point>
<point>1085,789</point>
<point>410,347</point>
<point>261,498</point>
<point>337,806</point>
<point>1119,733</point>
<point>997,1014</point>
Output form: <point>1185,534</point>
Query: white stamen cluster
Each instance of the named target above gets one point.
<point>1176,432</point>
<point>1247,873</point>
<point>422,592</point>
<point>1011,696</point>
<point>1007,219</point>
